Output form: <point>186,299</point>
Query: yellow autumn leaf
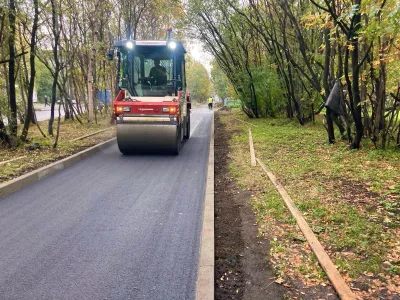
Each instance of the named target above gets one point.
<point>279,280</point>
<point>376,62</point>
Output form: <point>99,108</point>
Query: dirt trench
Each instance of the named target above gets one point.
<point>241,266</point>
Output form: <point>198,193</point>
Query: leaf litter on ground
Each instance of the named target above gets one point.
<point>43,153</point>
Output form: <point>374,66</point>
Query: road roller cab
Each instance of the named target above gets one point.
<point>152,109</point>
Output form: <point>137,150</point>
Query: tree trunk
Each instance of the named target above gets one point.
<point>29,115</point>
<point>92,58</point>
<point>58,127</point>
<point>11,70</point>
<point>356,79</point>
<point>379,127</point>
<point>296,102</point>
<point>3,133</point>
<point>56,34</point>
<point>23,87</point>
<point>90,91</point>
<point>327,62</point>
<point>353,86</point>
<point>53,101</point>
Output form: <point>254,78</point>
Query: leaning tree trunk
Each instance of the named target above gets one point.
<point>331,131</point>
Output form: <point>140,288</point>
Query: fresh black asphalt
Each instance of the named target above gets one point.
<point>110,227</point>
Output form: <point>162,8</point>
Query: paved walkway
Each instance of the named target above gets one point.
<point>41,106</point>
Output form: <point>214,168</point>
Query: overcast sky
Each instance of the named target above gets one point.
<point>196,50</point>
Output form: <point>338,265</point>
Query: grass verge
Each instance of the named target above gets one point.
<point>351,200</point>
<point>44,154</point>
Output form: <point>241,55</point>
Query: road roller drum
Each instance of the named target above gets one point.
<point>149,138</point>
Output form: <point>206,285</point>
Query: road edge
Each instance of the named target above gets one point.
<point>205,273</point>
<point>20,182</point>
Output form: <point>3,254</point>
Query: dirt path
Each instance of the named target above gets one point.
<point>241,268</point>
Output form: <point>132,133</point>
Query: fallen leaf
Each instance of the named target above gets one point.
<point>279,280</point>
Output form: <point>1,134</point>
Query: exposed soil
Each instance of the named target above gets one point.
<point>241,268</point>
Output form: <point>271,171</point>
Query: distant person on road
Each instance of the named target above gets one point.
<point>210,102</point>
<point>45,100</point>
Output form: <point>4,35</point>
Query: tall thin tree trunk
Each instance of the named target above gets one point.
<point>58,126</point>
<point>23,84</point>
<point>356,79</point>
<point>91,76</point>
<point>56,34</point>
<point>331,130</point>
<point>327,62</point>
<point>379,127</point>
<point>90,91</point>
<point>29,114</point>
<point>37,124</point>
<point>11,70</point>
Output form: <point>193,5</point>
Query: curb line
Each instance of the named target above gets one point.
<point>31,177</point>
<point>205,272</point>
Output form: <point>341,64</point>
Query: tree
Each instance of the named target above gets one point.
<point>303,46</point>
<point>11,69</point>
<point>220,82</point>
<point>29,116</point>
<point>198,81</point>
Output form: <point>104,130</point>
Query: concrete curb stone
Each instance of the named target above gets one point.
<point>205,273</point>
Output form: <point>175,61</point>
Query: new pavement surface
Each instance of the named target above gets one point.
<point>109,227</point>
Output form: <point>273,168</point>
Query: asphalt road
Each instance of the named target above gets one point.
<point>42,113</point>
<point>109,227</point>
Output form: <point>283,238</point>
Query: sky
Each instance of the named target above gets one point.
<point>196,50</point>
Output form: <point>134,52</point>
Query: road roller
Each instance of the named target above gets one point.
<point>152,107</point>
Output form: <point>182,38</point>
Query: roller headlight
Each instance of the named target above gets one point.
<point>129,45</point>
<point>172,45</point>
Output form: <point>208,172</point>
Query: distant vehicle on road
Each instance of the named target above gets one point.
<point>61,101</point>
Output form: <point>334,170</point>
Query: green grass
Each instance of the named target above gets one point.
<point>271,204</point>
<point>325,181</point>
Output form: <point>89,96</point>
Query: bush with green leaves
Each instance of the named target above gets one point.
<point>234,103</point>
